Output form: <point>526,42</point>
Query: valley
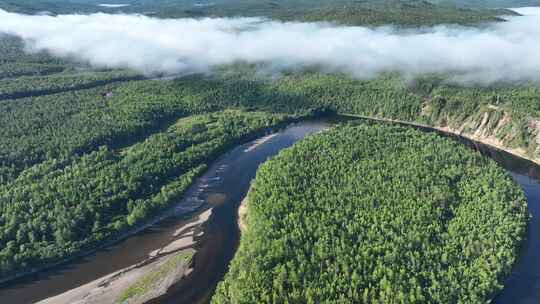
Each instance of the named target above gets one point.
<point>120,182</point>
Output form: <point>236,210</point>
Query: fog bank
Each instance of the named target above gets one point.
<point>501,52</point>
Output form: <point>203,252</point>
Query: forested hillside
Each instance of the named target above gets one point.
<point>376,214</point>
<point>397,12</point>
<point>489,3</point>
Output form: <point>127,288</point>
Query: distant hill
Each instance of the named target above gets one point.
<point>357,12</point>
<point>489,3</point>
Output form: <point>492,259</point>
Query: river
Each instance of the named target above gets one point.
<point>523,284</point>
<point>222,188</point>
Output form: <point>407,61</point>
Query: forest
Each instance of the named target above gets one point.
<point>87,153</point>
<point>62,206</point>
<point>373,213</point>
<point>46,135</point>
<point>406,13</point>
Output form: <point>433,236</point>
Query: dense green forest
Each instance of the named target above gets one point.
<point>14,62</point>
<point>376,214</point>
<point>88,119</point>
<point>76,142</point>
<point>64,205</point>
<point>32,86</point>
<point>81,120</point>
<point>488,3</point>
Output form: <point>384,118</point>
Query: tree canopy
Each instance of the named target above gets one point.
<point>376,214</point>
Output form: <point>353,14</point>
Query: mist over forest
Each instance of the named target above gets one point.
<point>496,53</point>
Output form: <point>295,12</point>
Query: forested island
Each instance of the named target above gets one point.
<point>376,214</point>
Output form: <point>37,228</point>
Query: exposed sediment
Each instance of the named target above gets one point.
<point>476,131</point>
<point>146,280</point>
<point>242,215</point>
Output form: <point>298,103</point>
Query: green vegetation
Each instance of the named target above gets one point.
<point>398,12</point>
<point>54,145</point>
<point>14,62</point>
<point>86,154</point>
<point>376,214</point>
<point>149,280</point>
<point>35,86</point>
<point>139,107</point>
<point>62,206</point>
<point>25,75</point>
<point>488,3</point>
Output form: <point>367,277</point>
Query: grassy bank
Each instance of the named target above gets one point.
<point>145,285</point>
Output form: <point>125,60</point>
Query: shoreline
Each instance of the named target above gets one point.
<point>84,253</point>
<point>109,288</point>
<point>491,142</point>
<point>167,212</point>
<point>242,215</point>
<point>107,243</point>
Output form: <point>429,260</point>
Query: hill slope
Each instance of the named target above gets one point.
<point>399,12</point>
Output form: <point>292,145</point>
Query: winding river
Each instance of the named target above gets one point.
<point>222,188</point>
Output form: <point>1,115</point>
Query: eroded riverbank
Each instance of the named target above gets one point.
<point>476,137</point>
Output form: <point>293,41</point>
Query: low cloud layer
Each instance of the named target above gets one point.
<point>502,52</point>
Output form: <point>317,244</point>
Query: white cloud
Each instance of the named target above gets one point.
<point>508,51</point>
<point>113,5</point>
<point>528,11</point>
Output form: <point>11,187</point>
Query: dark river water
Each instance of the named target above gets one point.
<point>223,187</point>
<point>523,284</point>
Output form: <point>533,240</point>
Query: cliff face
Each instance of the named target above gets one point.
<point>491,125</point>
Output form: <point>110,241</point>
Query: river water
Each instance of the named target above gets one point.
<point>523,284</point>
<point>222,188</point>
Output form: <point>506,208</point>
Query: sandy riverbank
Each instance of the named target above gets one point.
<point>136,284</point>
<point>146,280</point>
<point>242,215</point>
